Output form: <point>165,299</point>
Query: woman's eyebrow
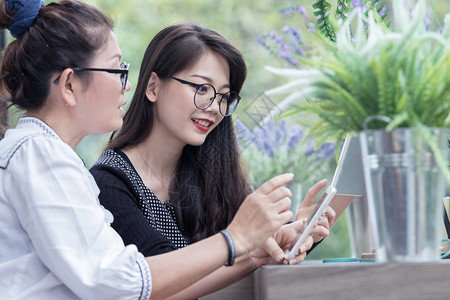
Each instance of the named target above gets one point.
<point>209,80</point>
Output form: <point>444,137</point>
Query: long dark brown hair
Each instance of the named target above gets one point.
<point>209,184</point>
<point>64,34</point>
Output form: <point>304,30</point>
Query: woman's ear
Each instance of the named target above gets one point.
<point>152,89</point>
<point>66,87</point>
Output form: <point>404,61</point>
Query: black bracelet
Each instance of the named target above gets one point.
<point>231,249</point>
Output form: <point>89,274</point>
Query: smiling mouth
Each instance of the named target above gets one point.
<point>203,123</point>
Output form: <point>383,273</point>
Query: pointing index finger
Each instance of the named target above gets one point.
<point>312,193</point>
<point>275,182</point>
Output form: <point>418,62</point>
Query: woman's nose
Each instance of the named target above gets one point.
<point>214,107</point>
<point>128,86</point>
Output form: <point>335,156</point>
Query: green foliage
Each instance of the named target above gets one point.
<point>322,9</point>
<point>342,8</point>
<point>376,70</point>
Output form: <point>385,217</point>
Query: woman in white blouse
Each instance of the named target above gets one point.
<point>56,242</point>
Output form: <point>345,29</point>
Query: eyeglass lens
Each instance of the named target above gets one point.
<point>206,94</point>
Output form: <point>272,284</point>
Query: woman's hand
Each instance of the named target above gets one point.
<point>262,213</point>
<point>321,230</point>
<point>274,248</point>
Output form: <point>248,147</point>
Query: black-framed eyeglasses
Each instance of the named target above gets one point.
<point>206,93</point>
<point>123,71</point>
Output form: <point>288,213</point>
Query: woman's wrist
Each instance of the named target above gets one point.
<point>254,260</point>
<point>240,242</point>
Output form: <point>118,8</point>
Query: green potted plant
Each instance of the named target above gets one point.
<point>390,85</point>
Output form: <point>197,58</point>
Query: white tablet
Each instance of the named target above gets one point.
<point>321,208</point>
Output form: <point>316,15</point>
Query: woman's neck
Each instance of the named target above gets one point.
<point>60,125</point>
<point>155,163</point>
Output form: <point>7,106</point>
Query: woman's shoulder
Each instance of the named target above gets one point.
<point>32,138</point>
<point>113,159</point>
<point>110,161</point>
<point>108,157</point>
<point>113,166</point>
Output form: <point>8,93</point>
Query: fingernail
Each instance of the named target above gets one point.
<point>280,257</point>
<point>323,180</point>
<point>293,262</point>
<point>303,249</point>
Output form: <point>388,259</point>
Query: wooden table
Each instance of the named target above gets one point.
<point>316,280</point>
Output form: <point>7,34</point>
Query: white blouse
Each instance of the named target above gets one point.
<point>55,238</point>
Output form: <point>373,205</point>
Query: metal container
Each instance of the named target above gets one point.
<point>405,188</point>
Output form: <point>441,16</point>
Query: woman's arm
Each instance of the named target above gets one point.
<point>271,252</point>
<point>219,279</point>
<point>118,197</point>
<point>260,215</point>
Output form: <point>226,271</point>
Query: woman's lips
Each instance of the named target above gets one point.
<point>202,124</point>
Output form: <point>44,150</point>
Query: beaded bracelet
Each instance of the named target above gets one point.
<point>231,249</point>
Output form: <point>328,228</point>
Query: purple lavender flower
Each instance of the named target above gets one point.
<point>243,132</point>
<point>302,10</point>
<point>325,151</point>
<point>268,127</point>
<point>293,33</point>
<point>278,145</point>
<point>382,13</point>
<point>283,127</point>
<point>311,27</point>
<point>260,138</point>
<point>309,147</point>
<point>293,8</point>
<point>279,135</point>
<point>357,3</point>
<point>288,45</point>
<point>268,149</point>
<point>295,137</point>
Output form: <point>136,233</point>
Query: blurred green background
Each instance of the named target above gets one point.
<point>241,22</point>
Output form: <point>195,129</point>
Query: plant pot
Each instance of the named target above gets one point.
<point>405,188</point>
